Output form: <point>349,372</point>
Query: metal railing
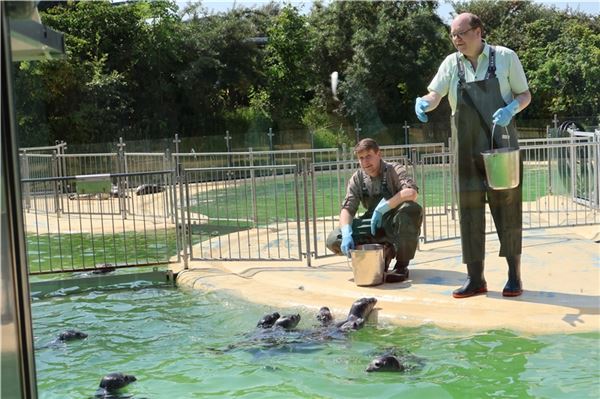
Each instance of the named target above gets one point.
<point>101,223</point>
<point>242,213</point>
<point>265,209</point>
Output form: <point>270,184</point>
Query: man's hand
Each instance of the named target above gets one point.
<point>420,109</point>
<point>503,116</point>
<point>378,213</point>
<point>347,241</point>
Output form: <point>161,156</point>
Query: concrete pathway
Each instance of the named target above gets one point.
<point>560,272</point>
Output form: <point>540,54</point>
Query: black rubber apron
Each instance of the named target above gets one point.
<point>471,126</point>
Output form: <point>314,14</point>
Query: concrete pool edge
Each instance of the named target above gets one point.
<point>561,277</point>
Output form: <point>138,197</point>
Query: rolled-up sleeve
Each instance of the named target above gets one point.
<point>402,179</point>
<point>353,193</point>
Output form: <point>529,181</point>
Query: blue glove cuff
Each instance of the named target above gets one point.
<point>383,206</point>
<point>346,230</point>
<point>513,107</point>
<point>422,104</point>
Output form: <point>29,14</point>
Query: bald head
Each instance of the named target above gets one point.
<point>466,32</point>
<point>467,19</point>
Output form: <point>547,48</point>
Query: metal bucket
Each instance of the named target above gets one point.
<point>501,166</point>
<point>368,264</point>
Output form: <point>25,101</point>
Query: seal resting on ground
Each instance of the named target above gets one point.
<point>144,189</point>
<point>268,320</point>
<point>104,268</point>
<point>113,382</point>
<point>287,322</point>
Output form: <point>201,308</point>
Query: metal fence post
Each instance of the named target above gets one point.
<point>55,183</point>
<point>306,215</point>
<point>184,231</point>
<point>122,166</point>
<point>26,189</point>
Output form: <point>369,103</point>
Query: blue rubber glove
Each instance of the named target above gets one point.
<point>378,213</point>
<point>347,241</point>
<point>420,107</point>
<point>504,115</point>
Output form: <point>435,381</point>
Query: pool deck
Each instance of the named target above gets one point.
<point>560,273</point>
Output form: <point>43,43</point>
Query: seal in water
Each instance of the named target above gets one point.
<point>396,361</point>
<point>324,316</point>
<point>359,311</point>
<point>113,382</point>
<point>70,335</point>
<point>386,363</point>
<point>287,322</point>
<point>268,320</point>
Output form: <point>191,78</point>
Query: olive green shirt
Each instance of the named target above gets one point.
<point>509,71</point>
<point>397,179</point>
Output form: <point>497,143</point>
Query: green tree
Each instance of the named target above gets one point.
<point>286,60</point>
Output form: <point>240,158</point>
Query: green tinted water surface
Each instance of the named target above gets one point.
<point>183,344</point>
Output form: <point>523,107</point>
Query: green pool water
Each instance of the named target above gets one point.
<point>191,344</point>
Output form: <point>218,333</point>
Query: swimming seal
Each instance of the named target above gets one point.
<point>359,311</point>
<point>70,335</point>
<point>113,382</point>
<point>386,363</point>
<point>287,322</point>
<point>324,316</point>
<point>268,320</point>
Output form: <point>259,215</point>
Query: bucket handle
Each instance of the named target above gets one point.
<point>507,136</point>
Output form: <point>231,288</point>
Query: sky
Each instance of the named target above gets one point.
<point>587,6</point>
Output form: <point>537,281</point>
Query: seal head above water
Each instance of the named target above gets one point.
<point>70,335</point>
<point>268,320</point>
<point>287,322</point>
<point>386,363</point>
<point>112,382</point>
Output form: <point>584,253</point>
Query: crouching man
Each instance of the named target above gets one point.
<point>393,218</point>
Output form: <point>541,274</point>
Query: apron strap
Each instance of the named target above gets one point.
<point>384,188</point>
<point>491,71</point>
<point>461,69</point>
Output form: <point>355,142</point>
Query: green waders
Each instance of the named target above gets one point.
<point>471,127</point>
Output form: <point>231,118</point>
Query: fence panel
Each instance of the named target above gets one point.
<point>243,213</point>
<point>560,187</point>
<point>92,232</point>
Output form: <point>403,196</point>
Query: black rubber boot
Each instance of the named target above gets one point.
<point>399,274</point>
<point>513,286</point>
<point>475,283</point>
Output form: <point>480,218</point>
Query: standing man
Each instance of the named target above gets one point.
<point>393,218</point>
<point>486,86</point>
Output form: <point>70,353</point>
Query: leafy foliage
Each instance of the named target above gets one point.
<point>148,70</point>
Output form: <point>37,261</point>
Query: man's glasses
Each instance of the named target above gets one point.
<point>460,34</point>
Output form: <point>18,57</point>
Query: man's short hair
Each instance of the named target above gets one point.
<point>366,145</point>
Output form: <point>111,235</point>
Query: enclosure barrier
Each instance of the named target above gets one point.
<point>262,208</point>
<point>101,222</point>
